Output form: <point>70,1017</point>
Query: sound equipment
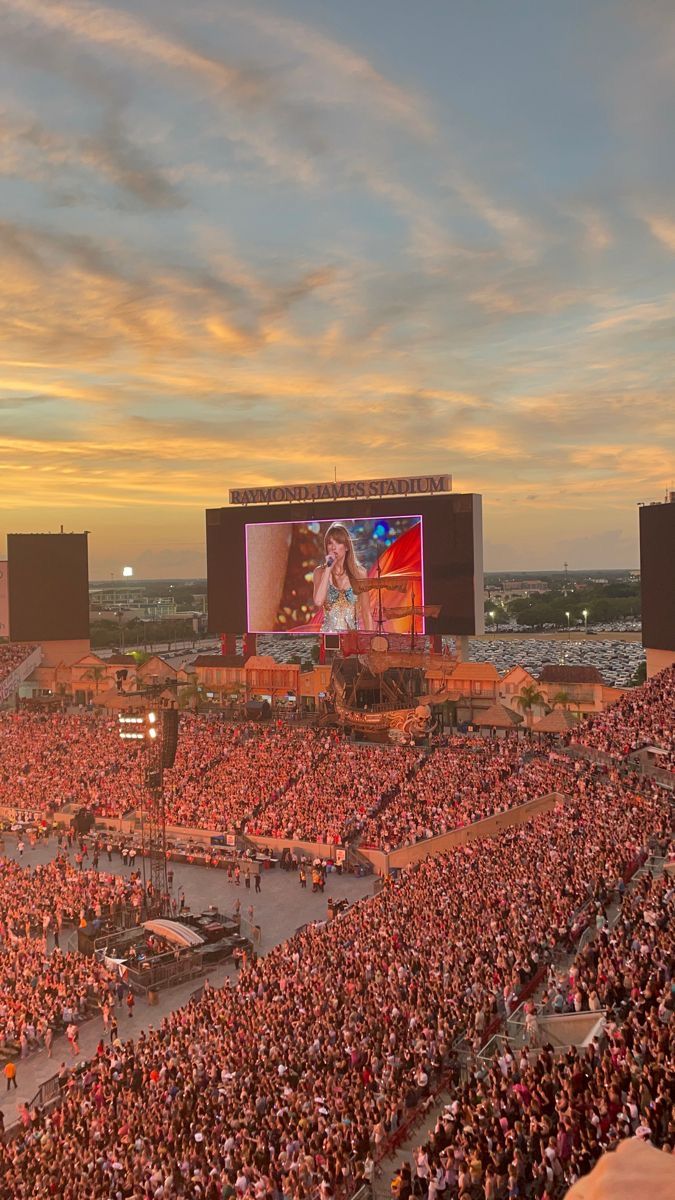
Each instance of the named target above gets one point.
<point>83,821</point>
<point>170,718</point>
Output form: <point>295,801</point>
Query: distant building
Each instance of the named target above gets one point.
<point>114,597</point>
<point>584,686</point>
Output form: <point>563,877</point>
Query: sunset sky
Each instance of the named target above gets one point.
<point>246,242</point>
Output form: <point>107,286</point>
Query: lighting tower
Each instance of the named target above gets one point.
<point>158,730</point>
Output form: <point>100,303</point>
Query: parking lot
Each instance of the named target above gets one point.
<point>615,652</point>
<point>616,659</point>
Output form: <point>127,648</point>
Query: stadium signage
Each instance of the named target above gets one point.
<point>352,489</point>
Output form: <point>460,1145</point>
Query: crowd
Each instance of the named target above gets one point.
<point>536,1121</point>
<point>12,654</point>
<point>48,760</point>
<point>305,784</point>
<point>334,797</point>
<point>44,985</point>
<point>628,965</point>
<point>277,1087</point>
<point>252,770</point>
<point>641,717</point>
<point>223,773</point>
<point>35,902</point>
<point>462,782</point>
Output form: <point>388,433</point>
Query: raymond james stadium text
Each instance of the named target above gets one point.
<point>355,489</point>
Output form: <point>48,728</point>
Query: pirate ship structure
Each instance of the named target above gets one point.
<point>378,681</point>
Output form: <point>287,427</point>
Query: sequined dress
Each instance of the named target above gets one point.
<point>339,614</point>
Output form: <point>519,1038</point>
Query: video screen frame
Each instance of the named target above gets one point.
<point>453,554</point>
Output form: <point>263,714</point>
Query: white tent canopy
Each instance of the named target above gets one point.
<point>174,931</point>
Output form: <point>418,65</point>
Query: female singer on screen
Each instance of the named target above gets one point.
<point>343,608</point>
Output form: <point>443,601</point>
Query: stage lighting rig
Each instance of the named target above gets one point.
<point>156,730</point>
<point>137,726</point>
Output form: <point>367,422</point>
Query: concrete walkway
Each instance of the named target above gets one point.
<point>280,908</point>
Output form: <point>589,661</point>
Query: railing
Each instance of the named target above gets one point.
<point>590,1022</point>
<point>166,974</point>
<point>47,1092</point>
<point>249,930</point>
<point>46,1098</point>
<point>658,774</point>
<point>577,750</point>
<point>10,682</point>
<point>633,761</point>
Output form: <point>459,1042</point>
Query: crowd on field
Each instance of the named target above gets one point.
<point>44,984</point>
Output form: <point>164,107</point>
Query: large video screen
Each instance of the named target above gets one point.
<point>48,586</point>
<point>335,576</point>
<point>262,560</point>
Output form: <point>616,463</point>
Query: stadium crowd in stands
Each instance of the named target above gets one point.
<point>308,784</point>
<point>51,759</point>
<point>277,1087</point>
<point>463,782</point>
<point>222,772</point>
<point>641,717</point>
<point>538,1120</point>
<point>333,797</point>
<point>251,771</point>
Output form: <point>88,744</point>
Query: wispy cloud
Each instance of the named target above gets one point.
<point>29,150</point>
<point>663,229</point>
<point>405,106</point>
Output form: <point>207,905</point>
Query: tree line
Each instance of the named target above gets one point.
<point>602,602</point>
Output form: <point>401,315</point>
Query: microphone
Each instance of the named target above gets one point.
<point>330,559</point>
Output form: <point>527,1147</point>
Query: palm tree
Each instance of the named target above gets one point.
<point>96,673</point>
<point>192,696</point>
<point>563,699</point>
<point>529,697</point>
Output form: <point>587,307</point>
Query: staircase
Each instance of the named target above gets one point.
<point>12,681</point>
